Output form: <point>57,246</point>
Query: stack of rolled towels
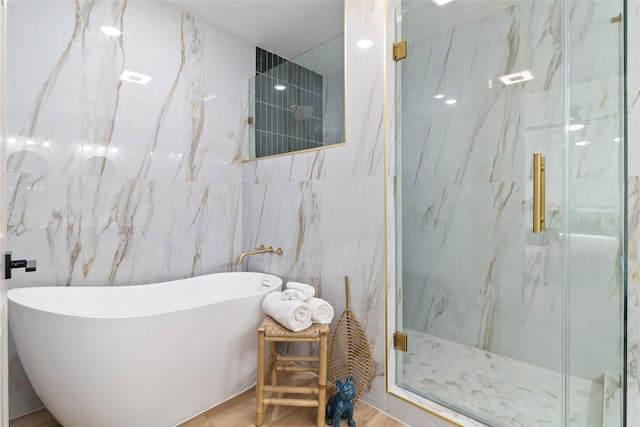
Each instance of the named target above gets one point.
<point>296,308</point>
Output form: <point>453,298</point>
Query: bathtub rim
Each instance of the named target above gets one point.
<point>278,283</point>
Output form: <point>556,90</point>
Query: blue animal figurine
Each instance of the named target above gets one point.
<point>340,405</point>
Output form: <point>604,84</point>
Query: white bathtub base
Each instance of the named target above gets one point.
<point>150,370</point>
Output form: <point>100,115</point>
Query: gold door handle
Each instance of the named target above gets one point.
<point>538,193</point>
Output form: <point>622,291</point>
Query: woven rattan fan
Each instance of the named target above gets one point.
<point>349,352</point>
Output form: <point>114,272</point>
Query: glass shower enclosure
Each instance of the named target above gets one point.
<point>507,324</point>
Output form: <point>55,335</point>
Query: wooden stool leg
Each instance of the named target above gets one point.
<point>267,372</point>
<point>322,379</point>
<point>260,380</point>
<point>274,354</point>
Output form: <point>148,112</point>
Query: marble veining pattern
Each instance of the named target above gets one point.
<point>473,271</point>
<point>481,279</point>
<point>508,392</point>
<point>633,213</point>
<point>111,182</point>
<point>326,208</point>
<point>633,321</point>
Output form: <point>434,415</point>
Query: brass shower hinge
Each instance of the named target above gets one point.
<point>399,50</point>
<point>250,120</point>
<point>400,341</point>
<point>616,18</point>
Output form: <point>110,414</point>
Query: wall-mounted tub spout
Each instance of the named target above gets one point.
<point>261,250</point>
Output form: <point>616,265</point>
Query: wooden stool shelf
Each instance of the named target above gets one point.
<point>272,332</point>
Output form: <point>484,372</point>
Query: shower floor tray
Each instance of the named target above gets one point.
<point>505,391</point>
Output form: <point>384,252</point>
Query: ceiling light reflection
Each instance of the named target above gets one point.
<point>365,43</point>
<point>522,76</point>
<point>133,77</point>
<point>110,31</point>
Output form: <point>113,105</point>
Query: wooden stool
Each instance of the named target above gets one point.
<point>272,331</point>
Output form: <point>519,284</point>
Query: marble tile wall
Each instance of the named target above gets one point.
<point>596,194</point>
<point>633,206</point>
<point>462,183</point>
<point>114,183</point>
<point>326,208</point>
<point>474,273</point>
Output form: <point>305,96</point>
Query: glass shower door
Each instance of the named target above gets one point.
<point>497,316</point>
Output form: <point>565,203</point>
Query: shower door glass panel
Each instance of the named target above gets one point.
<point>486,303</point>
<point>596,178</point>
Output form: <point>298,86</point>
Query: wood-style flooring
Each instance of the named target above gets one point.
<point>240,412</point>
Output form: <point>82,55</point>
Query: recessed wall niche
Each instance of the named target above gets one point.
<point>297,104</point>
<point>288,106</point>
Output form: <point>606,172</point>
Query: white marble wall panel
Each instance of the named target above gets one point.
<point>113,183</point>
<point>633,88</point>
<point>125,218</point>
<point>328,230</point>
<point>633,299</point>
<point>186,123</point>
<point>326,208</point>
<point>197,160</point>
<point>43,118</point>
<point>44,224</point>
<point>633,212</point>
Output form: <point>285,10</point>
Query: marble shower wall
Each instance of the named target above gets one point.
<point>473,271</point>
<point>463,175</point>
<point>597,179</point>
<point>633,205</point>
<point>111,182</point>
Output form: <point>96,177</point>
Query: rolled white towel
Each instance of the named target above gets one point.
<point>305,291</point>
<point>321,311</point>
<point>293,315</point>
<point>294,294</point>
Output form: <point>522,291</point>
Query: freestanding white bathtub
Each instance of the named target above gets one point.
<point>140,356</point>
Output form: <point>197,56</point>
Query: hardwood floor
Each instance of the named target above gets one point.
<point>240,412</point>
<point>41,418</point>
